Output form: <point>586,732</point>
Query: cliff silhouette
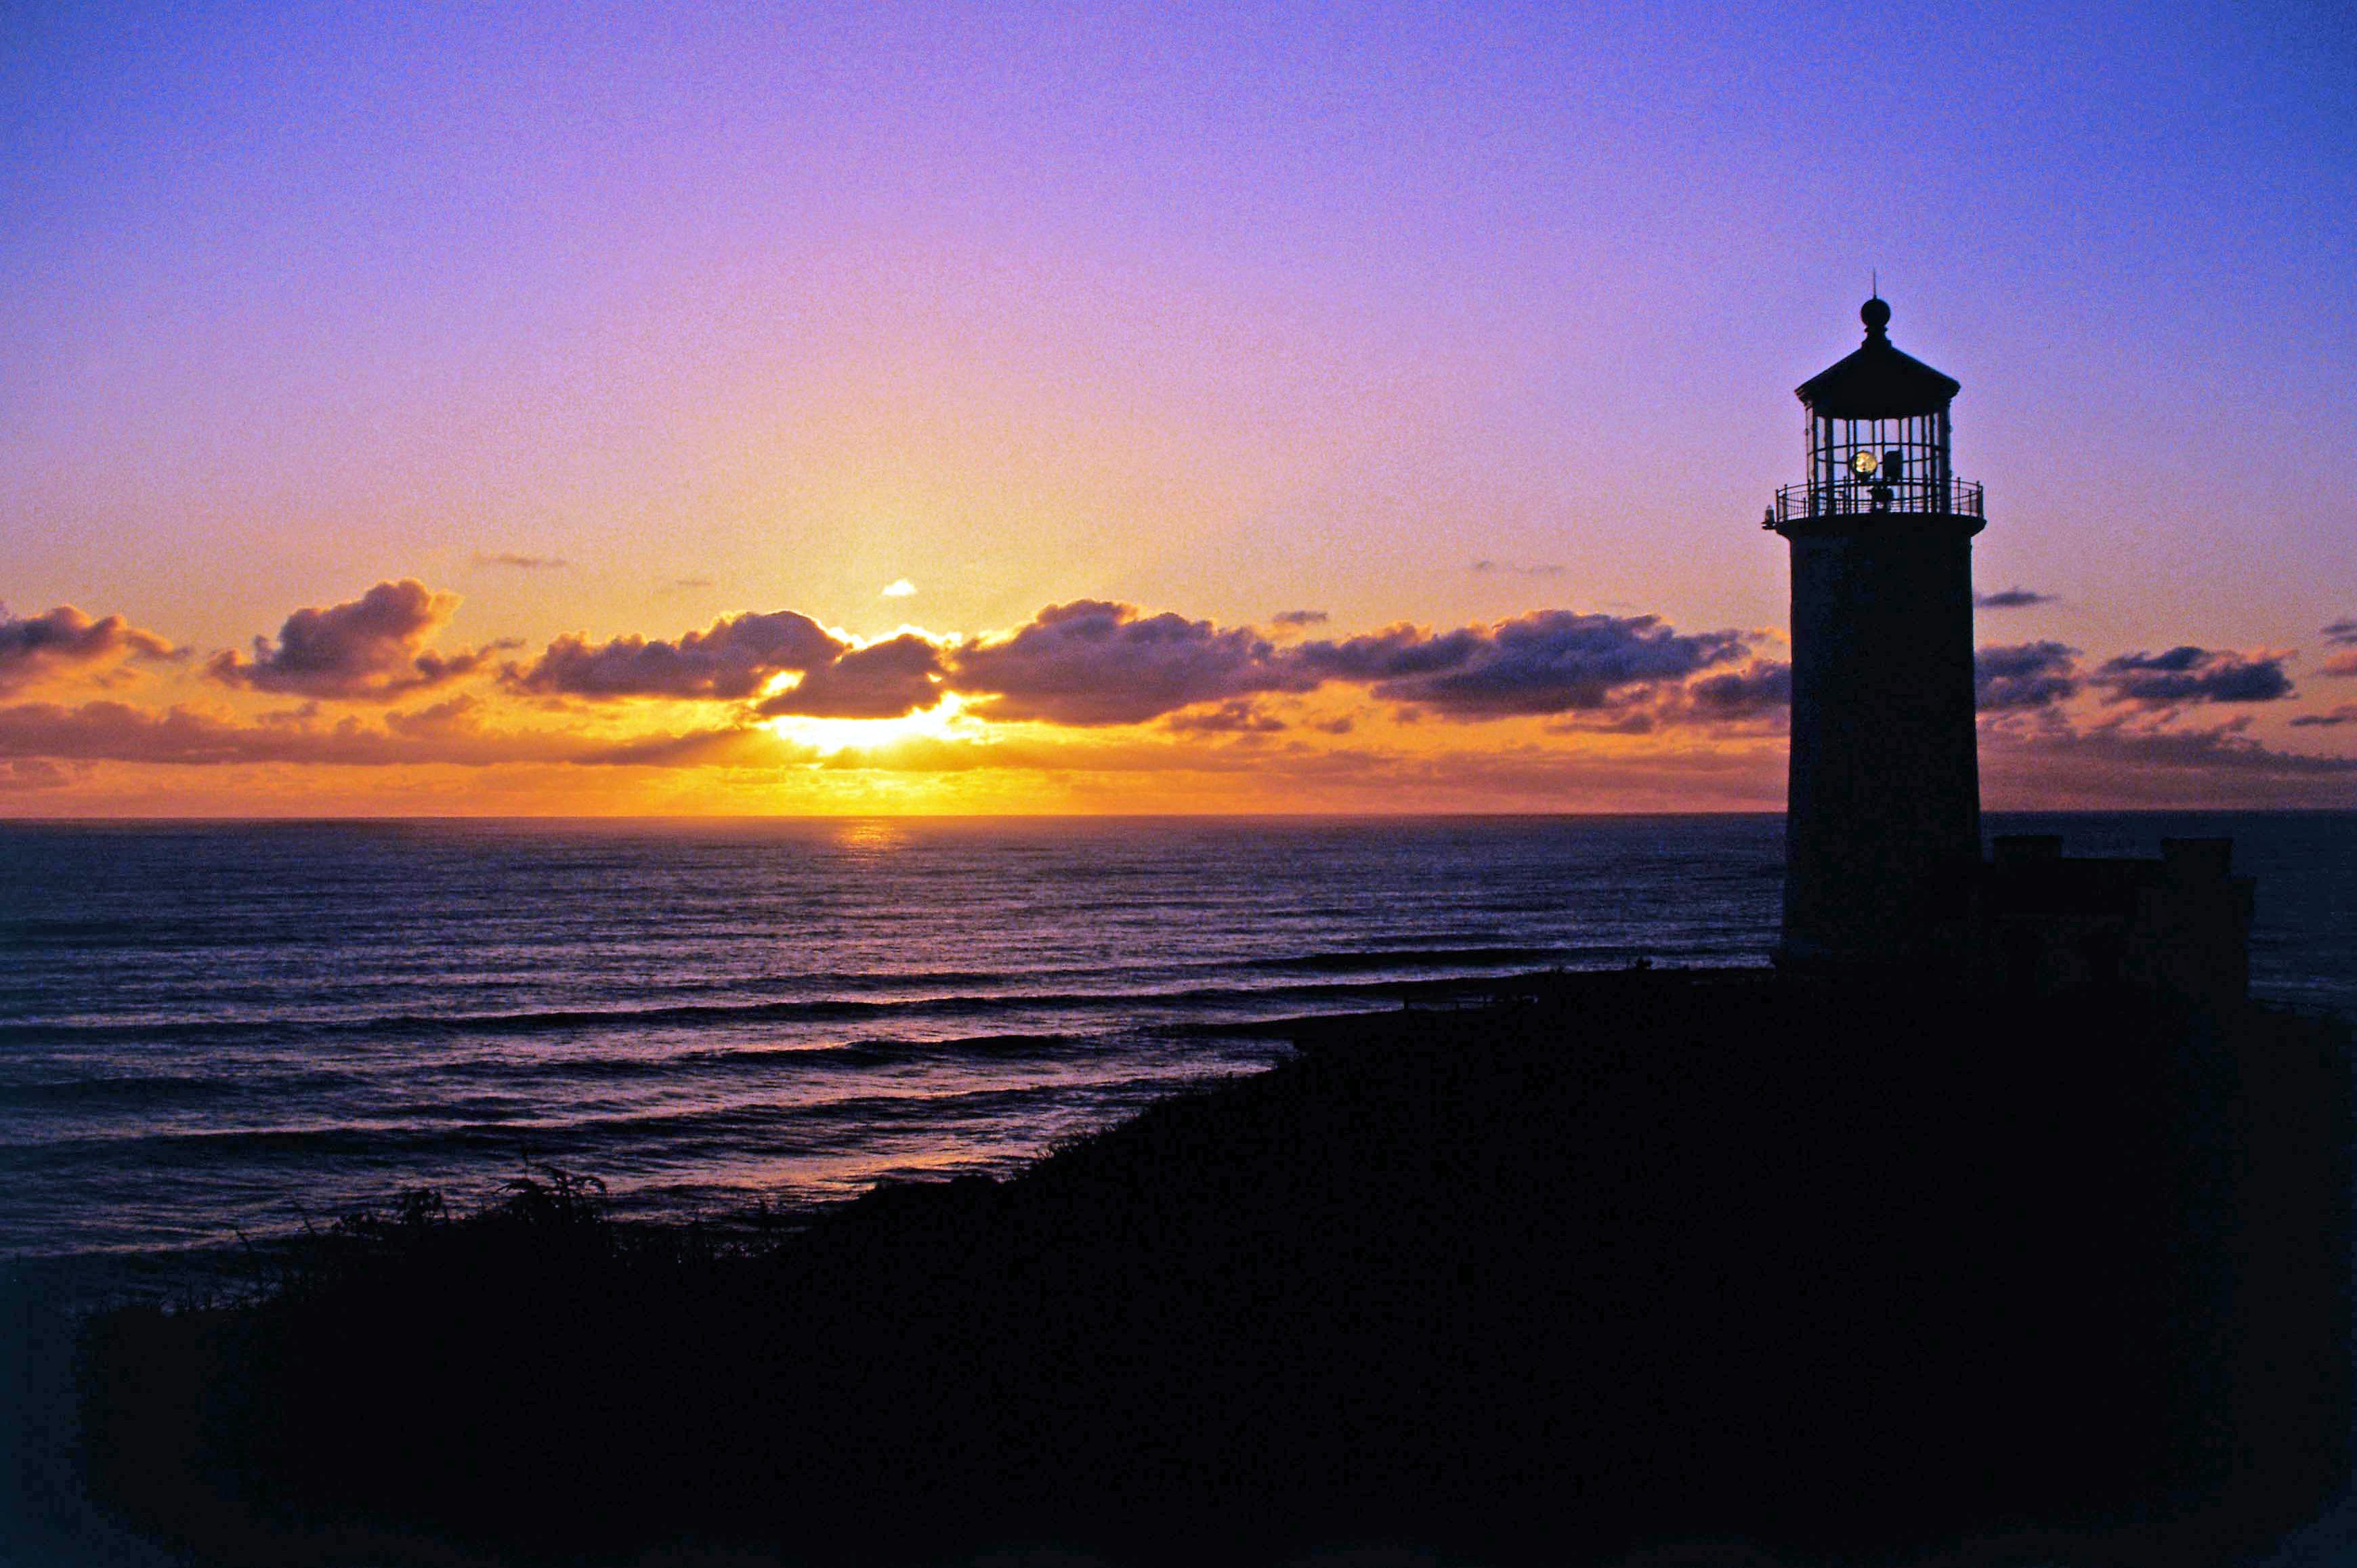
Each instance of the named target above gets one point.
<point>1838,1271</point>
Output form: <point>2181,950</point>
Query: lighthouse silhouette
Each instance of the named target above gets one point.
<point>1882,814</point>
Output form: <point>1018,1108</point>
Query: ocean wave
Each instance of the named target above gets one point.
<point>824,1010</point>
<point>756,1059</point>
<point>163,1089</point>
<point>616,1142</point>
<point>1405,959</point>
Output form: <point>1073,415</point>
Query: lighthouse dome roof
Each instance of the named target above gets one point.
<point>1878,381</point>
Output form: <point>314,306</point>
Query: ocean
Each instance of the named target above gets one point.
<point>217,1032</point>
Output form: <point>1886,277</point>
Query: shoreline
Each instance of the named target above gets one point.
<point>125,1275</point>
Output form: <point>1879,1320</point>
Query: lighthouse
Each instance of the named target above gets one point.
<point>1882,810</point>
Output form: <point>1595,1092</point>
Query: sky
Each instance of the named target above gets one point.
<point>936,408</point>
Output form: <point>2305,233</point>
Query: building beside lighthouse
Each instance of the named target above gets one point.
<point>1883,861</point>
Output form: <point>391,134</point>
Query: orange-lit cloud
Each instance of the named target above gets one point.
<point>734,657</point>
<point>1093,662</point>
<point>2341,633</point>
<point>372,647</point>
<point>881,681</point>
<point>65,641</point>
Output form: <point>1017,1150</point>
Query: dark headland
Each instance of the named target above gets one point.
<point>1837,1270</point>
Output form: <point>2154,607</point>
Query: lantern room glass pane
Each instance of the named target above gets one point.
<point>1878,465</point>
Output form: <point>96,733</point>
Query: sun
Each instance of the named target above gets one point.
<point>945,720</point>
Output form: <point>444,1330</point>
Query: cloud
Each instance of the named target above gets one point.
<point>1237,717</point>
<point>1300,618</point>
<point>1549,661</point>
<point>2189,674</point>
<point>444,734</point>
<point>369,648</point>
<point>107,731</point>
<point>733,658</point>
<point>29,773</point>
<point>2017,677</point>
<point>2011,599</point>
<point>882,680</point>
<point>2346,714</point>
<point>899,588</point>
<point>721,745</point>
<point>64,640</point>
<point>2341,634</point>
<point>1762,687</point>
<point>523,562</point>
<point>1544,570</point>
<point>1093,662</point>
<point>2123,749</point>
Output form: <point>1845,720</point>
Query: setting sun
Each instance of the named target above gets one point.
<point>945,721</point>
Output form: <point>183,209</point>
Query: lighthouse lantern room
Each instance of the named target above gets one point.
<point>1877,437</point>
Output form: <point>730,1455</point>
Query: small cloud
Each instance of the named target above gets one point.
<point>685,584</point>
<point>1763,686</point>
<point>1512,570</point>
<point>1300,618</point>
<point>373,647</point>
<point>66,642</point>
<point>899,588</point>
<point>2011,599</point>
<point>523,562</point>
<point>2023,676</point>
<point>2341,634</point>
<point>2191,675</point>
<point>32,773</point>
<point>2346,714</point>
<point>1237,717</point>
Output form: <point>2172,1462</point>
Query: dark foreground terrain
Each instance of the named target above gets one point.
<point>1629,1259</point>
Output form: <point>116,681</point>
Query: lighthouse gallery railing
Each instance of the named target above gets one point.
<point>1957,498</point>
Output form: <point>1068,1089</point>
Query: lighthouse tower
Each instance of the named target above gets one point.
<point>1882,814</point>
